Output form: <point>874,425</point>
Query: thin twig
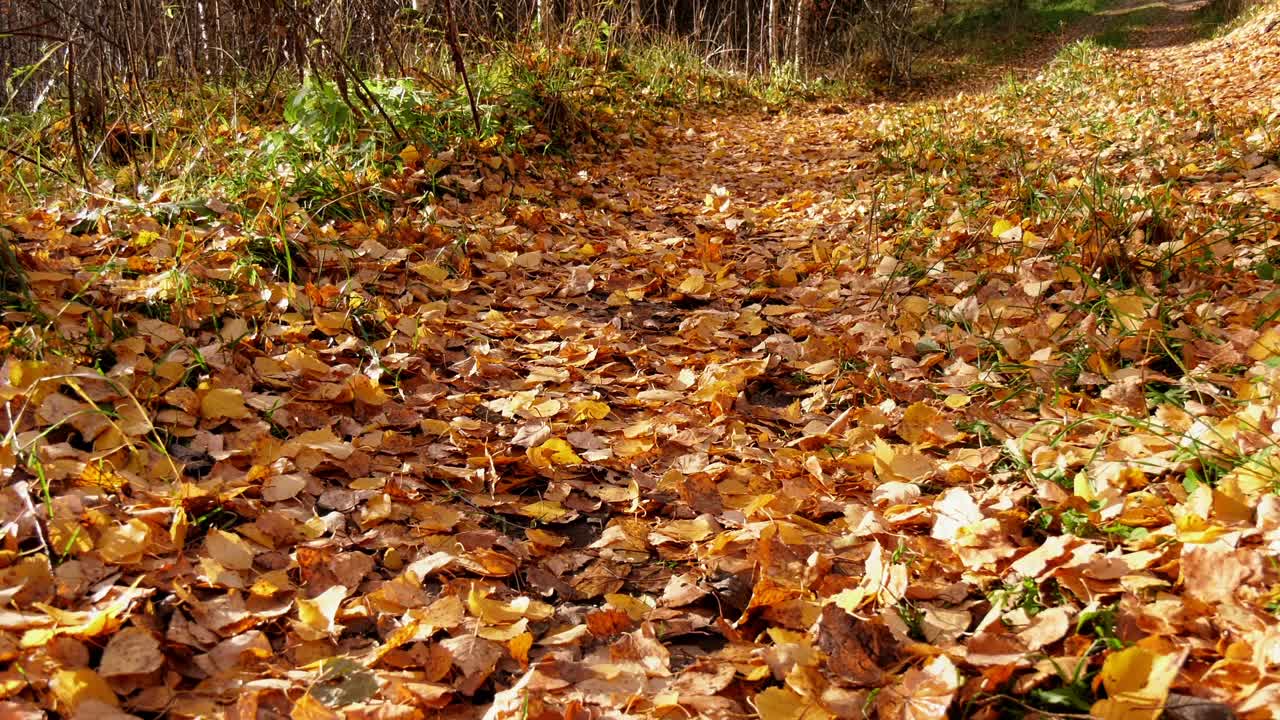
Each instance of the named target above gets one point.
<point>23,491</point>
<point>369,97</point>
<point>459,64</point>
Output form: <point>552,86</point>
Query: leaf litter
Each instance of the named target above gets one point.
<point>959,407</point>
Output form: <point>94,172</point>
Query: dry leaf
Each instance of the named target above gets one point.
<point>132,651</point>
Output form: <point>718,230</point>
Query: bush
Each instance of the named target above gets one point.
<point>889,24</point>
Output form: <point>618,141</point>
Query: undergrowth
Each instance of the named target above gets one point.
<point>328,146</point>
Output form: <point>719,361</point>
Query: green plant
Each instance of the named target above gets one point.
<point>913,618</point>
<point>1101,623</point>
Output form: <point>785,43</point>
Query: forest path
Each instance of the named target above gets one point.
<point>1126,24</point>
<point>769,161</point>
<point>913,325</point>
<point>1156,24</point>
<point>773,162</point>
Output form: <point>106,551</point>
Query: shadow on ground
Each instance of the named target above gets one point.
<point>1128,24</point>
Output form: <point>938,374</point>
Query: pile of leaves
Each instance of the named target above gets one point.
<point>961,407</point>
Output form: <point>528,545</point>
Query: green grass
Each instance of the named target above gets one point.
<point>1220,17</point>
<point>994,31</point>
<point>1120,26</point>
<point>332,151</point>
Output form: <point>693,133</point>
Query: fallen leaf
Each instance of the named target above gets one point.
<point>223,404</point>
<point>132,651</point>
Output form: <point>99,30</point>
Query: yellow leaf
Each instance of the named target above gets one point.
<point>178,528</point>
<point>229,549</point>
<point>67,534</point>
<point>635,608</point>
<point>689,531</point>
<point>822,369</point>
<point>1195,530</point>
<point>409,155</point>
<point>1082,487</point>
<point>1267,345</point>
<point>850,599</point>
<point>923,694</point>
<point>590,410</point>
<point>544,511</point>
<point>434,165</point>
<point>545,408</point>
<point>73,687</point>
<point>496,612</point>
<point>912,305</point>
<point>552,453</point>
<point>1000,227</point>
<point>124,543</point>
<point>270,583</point>
<point>529,260</point>
<point>1270,196</point>
<point>309,708</point>
<point>917,421</point>
<point>433,426</point>
<point>24,374</point>
<point>305,361</point>
<point>447,612</point>
<point>331,323</point>
<point>79,624</point>
<point>1137,680</point>
<point>145,238</point>
<point>435,517</point>
<point>223,403</point>
<point>11,683</point>
<point>318,615</point>
<point>785,704</point>
<point>503,633</point>
<point>544,538</point>
<point>1129,310</point>
<point>103,476</point>
<point>367,391</point>
<point>282,487</point>
<point>431,272</point>
<point>899,463</point>
<point>519,646</point>
<point>693,284</point>
<point>630,447</point>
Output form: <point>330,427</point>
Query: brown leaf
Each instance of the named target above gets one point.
<point>923,694</point>
<point>608,622</point>
<point>132,651</point>
<point>861,652</point>
<point>475,657</point>
<point>229,549</point>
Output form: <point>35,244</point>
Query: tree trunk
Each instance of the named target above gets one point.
<point>772,34</point>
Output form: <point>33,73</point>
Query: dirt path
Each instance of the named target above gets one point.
<point>765,164</point>
<point>782,182</point>
<point>1129,24</point>
<point>1159,24</point>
